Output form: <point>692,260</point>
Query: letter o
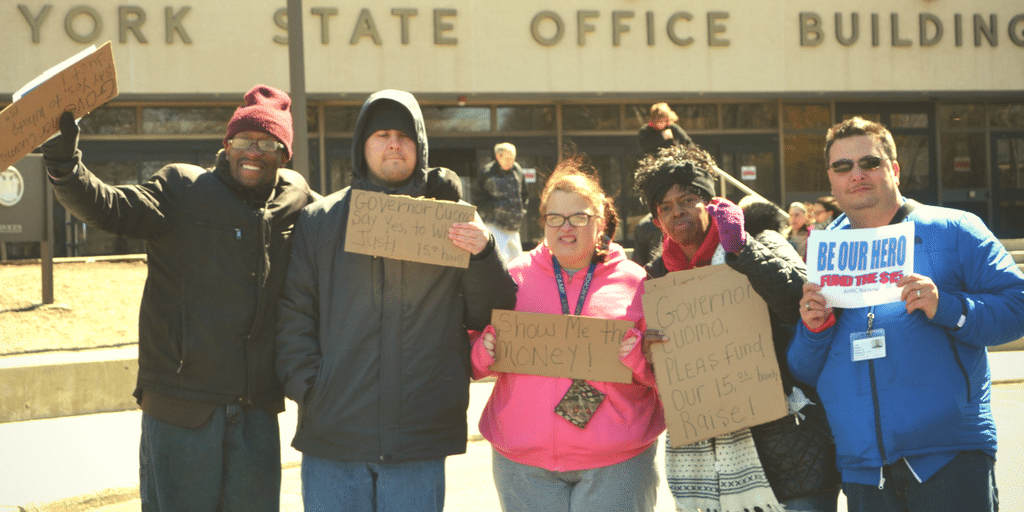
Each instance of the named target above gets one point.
<point>83,10</point>
<point>559,28</point>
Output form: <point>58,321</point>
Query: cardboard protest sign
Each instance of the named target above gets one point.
<point>80,87</point>
<point>576,347</point>
<point>860,267</point>
<point>406,228</point>
<point>718,372</point>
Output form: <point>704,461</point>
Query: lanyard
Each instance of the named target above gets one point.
<point>562,294</point>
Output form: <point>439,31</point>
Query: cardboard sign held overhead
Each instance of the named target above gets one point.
<point>406,228</point>
<point>718,372</point>
<point>576,347</point>
<point>82,86</point>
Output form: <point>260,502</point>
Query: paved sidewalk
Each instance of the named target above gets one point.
<point>75,463</point>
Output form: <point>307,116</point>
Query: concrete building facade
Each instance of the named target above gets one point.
<point>756,84</point>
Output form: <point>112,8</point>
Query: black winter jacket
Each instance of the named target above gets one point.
<point>375,350</point>
<point>217,259</point>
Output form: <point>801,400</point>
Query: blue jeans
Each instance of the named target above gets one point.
<point>968,482</point>
<point>827,501</point>
<point>329,485</point>
<point>230,463</point>
<point>630,485</point>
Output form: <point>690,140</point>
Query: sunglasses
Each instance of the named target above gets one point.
<point>576,220</point>
<point>866,163</point>
<point>264,145</point>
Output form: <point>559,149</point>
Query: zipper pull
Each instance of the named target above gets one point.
<point>881,480</point>
<point>238,234</point>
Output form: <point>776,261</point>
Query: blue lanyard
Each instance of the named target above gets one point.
<point>562,294</point>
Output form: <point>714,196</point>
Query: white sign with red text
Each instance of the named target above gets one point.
<point>860,267</point>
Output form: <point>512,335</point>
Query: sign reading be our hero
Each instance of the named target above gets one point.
<point>860,267</point>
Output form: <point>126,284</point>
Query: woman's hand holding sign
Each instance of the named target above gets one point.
<point>919,292</point>
<point>813,309</point>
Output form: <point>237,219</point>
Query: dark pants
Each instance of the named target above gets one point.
<point>968,482</point>
<point>230,463</point>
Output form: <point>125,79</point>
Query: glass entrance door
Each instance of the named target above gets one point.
<point>751,159</point>
<point>1008,178</point>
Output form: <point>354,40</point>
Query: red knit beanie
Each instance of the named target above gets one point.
<point>266,110</point>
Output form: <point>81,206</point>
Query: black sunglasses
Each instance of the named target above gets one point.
<point>866,163</point>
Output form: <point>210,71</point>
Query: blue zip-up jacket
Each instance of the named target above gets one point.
<point>929,398</point>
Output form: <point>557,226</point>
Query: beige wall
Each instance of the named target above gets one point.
<point>489,47</point>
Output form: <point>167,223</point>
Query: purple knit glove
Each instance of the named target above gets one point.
<point>729,219</point>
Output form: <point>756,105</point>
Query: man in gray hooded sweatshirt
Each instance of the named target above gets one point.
<point>375,350</point>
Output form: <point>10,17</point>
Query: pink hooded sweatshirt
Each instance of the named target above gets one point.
<point>519,419</point>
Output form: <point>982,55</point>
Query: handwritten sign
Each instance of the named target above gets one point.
<point>406,228</point>
<point>79,88</point>
<point>718,372</point>
<point>860,267</point>
<point>576,347</point>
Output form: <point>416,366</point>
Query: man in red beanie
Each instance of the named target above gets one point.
<point>217,243</point>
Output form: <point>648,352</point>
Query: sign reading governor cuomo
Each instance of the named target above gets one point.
<point>718,372</point>
<point>406,228</point>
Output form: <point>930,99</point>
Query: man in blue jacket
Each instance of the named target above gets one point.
<point>913,422</point>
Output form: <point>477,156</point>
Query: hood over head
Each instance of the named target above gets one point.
<point>394,103</point>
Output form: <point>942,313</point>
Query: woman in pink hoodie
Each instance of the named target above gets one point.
<point>601,459</point>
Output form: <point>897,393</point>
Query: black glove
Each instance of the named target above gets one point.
<point>60,150</point>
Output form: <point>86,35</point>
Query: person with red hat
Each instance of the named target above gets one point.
<point>217,245</point>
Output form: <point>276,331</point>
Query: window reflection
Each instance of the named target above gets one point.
<point>522,119</point>
<point>186,120</point>
<point>807,116</point>
<point>109,121</point>
<point>805,163</point>
<point>963,160</point>
<point>340,119</point>
<point>908,121</point>
<point>749,116</point>
<point>590,117</point>
<point>457,119</point>
<point>1006,115</point>
<point>1010,163</point>
<point>913,155</point>
<point>961,115</point>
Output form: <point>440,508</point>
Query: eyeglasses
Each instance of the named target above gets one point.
<point>866,163</point>
<point>265,145</point>
<point>685,202</point>
<point>576,220</point>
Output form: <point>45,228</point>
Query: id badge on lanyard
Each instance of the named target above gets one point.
<point>869,344</point>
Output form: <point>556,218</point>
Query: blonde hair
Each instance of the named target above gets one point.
<point>661,111</point>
